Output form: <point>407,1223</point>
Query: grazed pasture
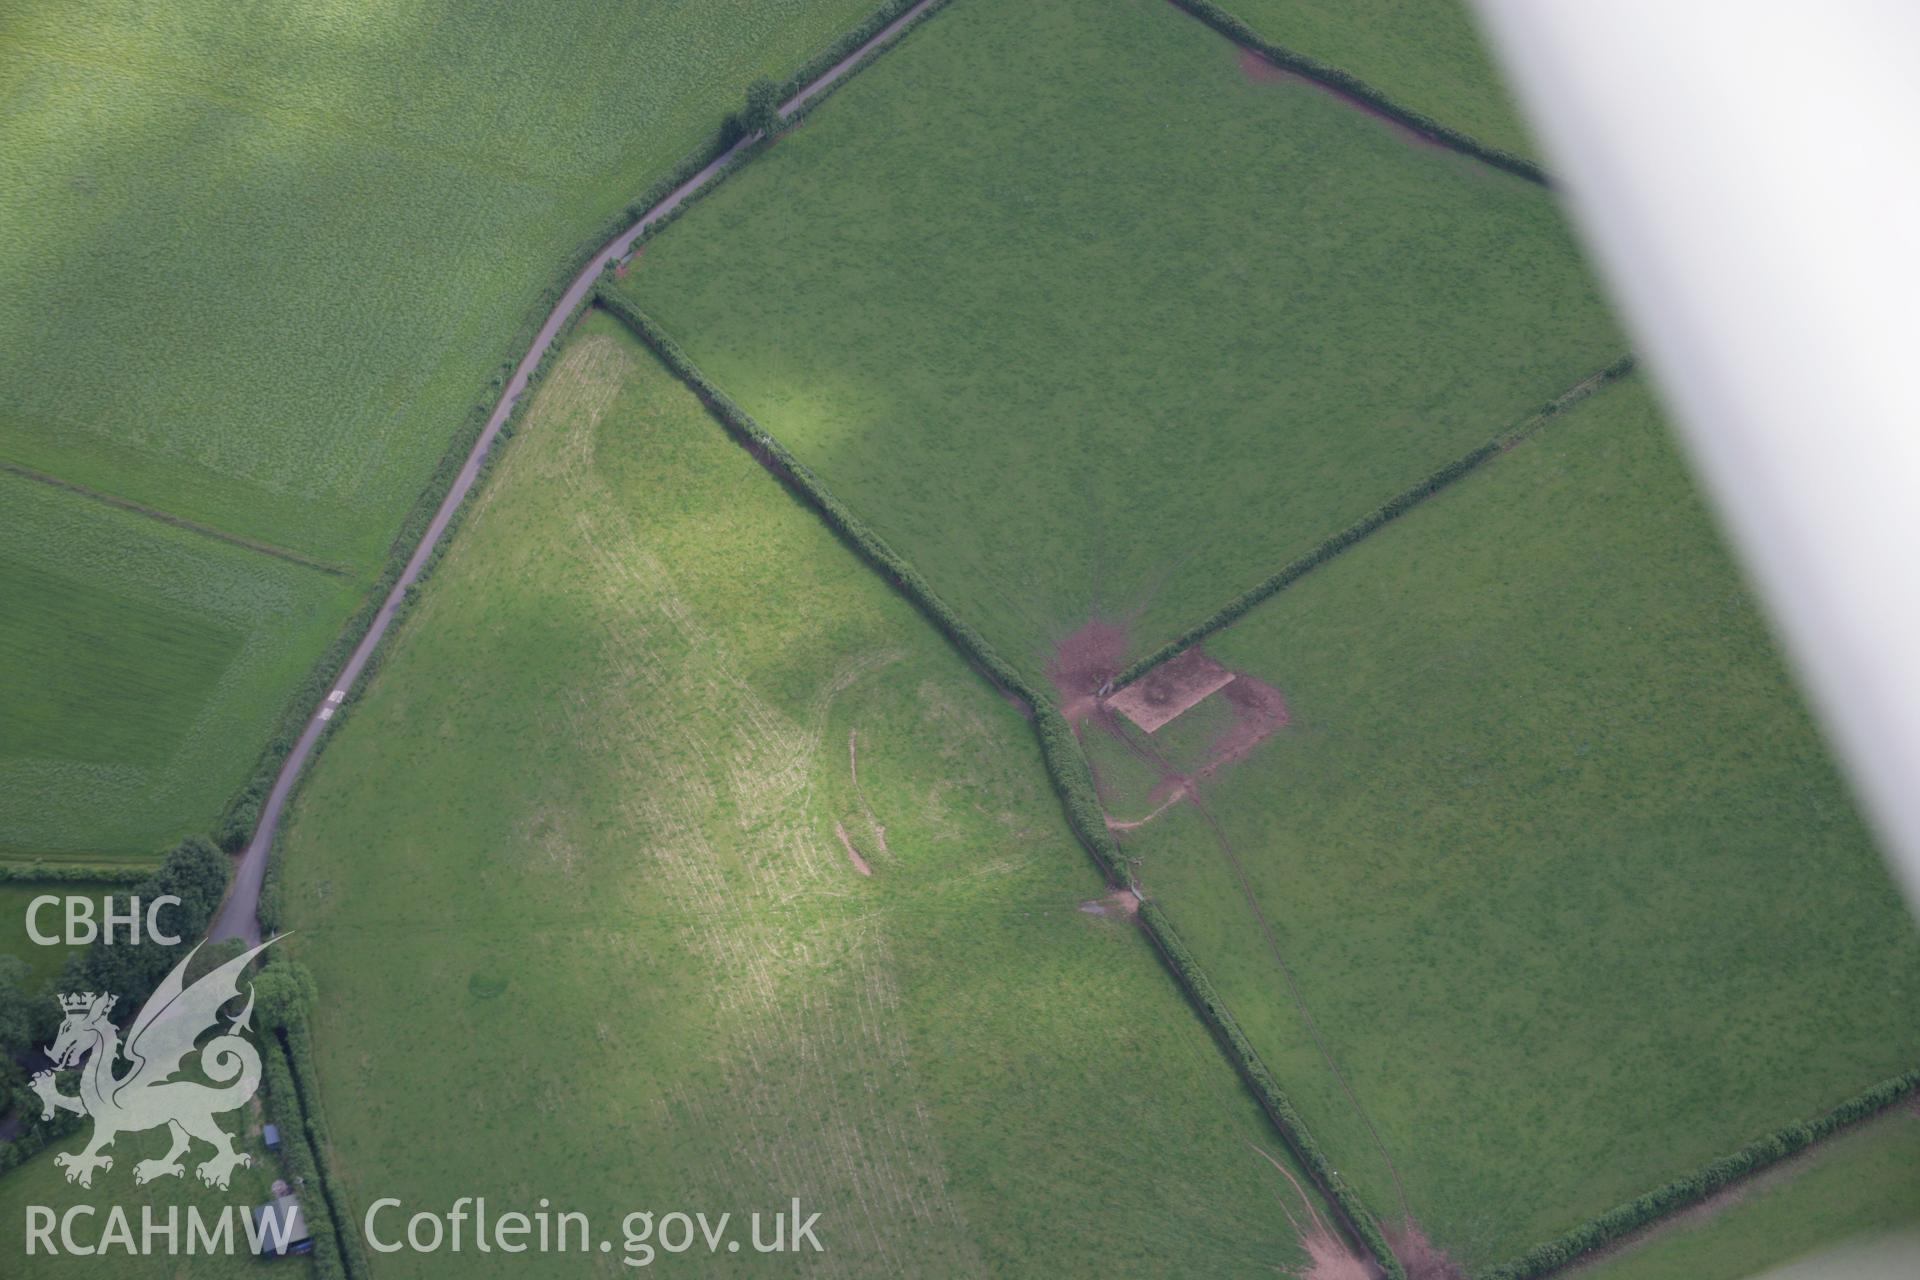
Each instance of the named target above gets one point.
<point>1085,320</point>
<point>1549,852</point>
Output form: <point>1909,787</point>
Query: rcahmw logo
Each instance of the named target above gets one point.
<point>146,1095</point>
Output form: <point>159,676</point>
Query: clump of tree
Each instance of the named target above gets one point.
<point>16,1022</point>
<point>196,873</point>
<point>761,115</point>
<point>282,994</point>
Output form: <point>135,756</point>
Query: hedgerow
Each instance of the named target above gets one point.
<point>1354,87</point>
<point>1065,763</point>
<point>298,1149</point>
<point>848,42</point>
<point>1279,1108</point>
<point>1392,509</point>
<point>1767,1150</point>
<point>851,529</point>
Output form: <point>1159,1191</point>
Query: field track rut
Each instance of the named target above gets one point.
<point>239,915</point>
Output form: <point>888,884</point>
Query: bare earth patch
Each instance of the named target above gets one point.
<point>1121,902</point>
<point>1169,689</point>
<point>853,771</point>
<point>1421,1258</point>
<point>1083,663</point>
<point>1255,67</point>
<point>1258,710</point>
<point>1328,1256</point>
<point>853,854</point>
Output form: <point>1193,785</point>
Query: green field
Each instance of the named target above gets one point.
<point>260,263</point>
<point>146,665</point>
<point>1427,54</point>
<point>1085,319</point>
<point>606,945</point>
<point>1861,1184</point>
<point>1567,883</point>
<point>259,266</point>
<point>668,859</point>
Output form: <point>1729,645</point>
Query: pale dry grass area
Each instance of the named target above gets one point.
<point>720,808</point>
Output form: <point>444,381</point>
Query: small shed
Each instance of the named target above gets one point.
<point>272,1135</point>
<point>278,1222</point>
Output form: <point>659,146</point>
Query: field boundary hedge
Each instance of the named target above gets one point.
<point>1649,1208</point>
<point>242,813</point>
<point>1352,86</point>
<point>1066,765</point>
<point>299,1115</point>
<point>297,1146</point>
<point>179,522</point>
<point>1395,507</point>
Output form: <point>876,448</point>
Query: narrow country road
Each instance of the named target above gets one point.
<point>239,915</point>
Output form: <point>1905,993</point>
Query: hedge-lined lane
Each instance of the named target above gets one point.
<point>239,915</point>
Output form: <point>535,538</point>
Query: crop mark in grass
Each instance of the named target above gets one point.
<point>853,854</point>
<point>178,522</point>
<point>1299,1000</point>
<point>1328,1256</point>
<point>853,773</point>
<point>1257,709</point>
<point>1179,793</point>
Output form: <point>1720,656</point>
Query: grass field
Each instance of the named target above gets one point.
<point>1427,54</point>
<point>260,265</point>
<point>607,943</point>
<point>145,664</point>
<point>1861,1184</point>
<point>1557,861</point>
<point>1085,318</point>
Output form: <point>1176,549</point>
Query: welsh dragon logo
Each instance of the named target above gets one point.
<point>147,1095</point>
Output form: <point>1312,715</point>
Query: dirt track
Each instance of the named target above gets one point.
<point>239,915</point>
